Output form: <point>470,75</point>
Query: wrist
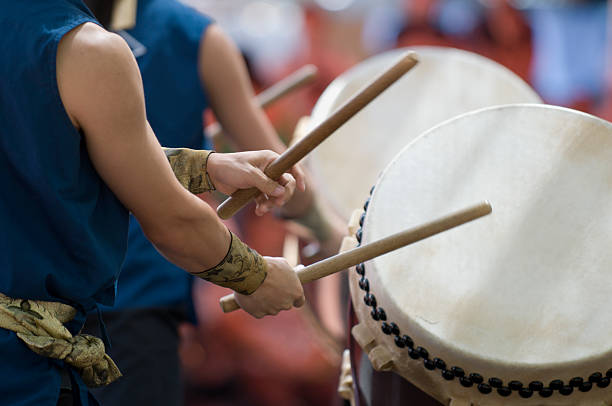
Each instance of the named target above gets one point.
<point>242,269</point>
<point>191,168</point>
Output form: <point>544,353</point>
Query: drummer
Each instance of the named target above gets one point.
<point>187,63</point>
<point>77,155</point>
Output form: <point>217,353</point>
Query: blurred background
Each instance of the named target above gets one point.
<point>562,48</point>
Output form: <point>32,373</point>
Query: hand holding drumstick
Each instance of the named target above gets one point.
<point>366,252</point>
<point>300,149</point>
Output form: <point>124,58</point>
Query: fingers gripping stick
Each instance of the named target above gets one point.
<point>300,149</point>
<point>374,249</point>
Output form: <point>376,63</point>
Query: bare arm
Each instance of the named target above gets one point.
<point>225,77</point>
<point>102,93</point>
<point>101,88</point>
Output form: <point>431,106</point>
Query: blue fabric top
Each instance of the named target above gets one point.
<point>63,232</point>
<point>170,33</point>
<point>570,58</point>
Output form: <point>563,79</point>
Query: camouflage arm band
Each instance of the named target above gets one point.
<point>242,270</point>
<point>189,167</point>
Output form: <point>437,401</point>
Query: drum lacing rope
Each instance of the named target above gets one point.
<point>467,380</point>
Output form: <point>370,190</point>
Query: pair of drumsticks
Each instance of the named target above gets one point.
<point>301,148</point>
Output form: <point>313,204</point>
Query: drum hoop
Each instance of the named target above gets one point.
<point>485,386</point>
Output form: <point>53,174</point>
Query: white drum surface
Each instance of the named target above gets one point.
<point>446,82</point>
<point>526,292</point>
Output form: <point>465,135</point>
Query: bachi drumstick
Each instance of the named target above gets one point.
<point>374,249</point>
<point>301,148</point>
<point>297,79</point>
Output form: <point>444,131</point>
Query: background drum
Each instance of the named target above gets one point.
<point>512,308</point>
<point>446,82</point>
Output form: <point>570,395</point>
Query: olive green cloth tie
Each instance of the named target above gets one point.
<point>39,325</point>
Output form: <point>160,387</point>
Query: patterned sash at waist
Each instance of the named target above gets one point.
<point>39,325</point>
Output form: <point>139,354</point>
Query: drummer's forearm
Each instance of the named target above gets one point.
<point>232,98</point>
<point>224,75</point>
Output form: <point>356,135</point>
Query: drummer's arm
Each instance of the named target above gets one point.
<point>224,74</point>
<point>101,90</point>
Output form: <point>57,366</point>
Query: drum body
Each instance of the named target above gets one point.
<point>512,308</point>
<point>446,82</point>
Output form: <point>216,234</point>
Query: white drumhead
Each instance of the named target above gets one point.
<point>446,82</point>
<point>524,293</point>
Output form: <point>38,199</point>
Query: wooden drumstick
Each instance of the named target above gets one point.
<point>297,151</point>
<point>374,249</point>
<point>300,77</point>
<point>297,79</point>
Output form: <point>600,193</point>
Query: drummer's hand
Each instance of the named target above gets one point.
<point>243,170</point>
<point>281,290</point>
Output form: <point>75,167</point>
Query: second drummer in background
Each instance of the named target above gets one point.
<point>187,63</point>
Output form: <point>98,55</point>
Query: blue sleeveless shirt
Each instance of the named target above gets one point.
<point>166,42</point>
<point>63,232</point>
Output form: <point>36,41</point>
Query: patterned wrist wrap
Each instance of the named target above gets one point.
<point>242,270</point>
<point>189,167</point>
<point>39,325</point>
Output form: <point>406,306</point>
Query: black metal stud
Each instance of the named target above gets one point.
<point>414,354</point>
<point>546,392</point>
<point>361,219</point>
<point>364,284</point>
<point>476,378</point>
<point>525,393</point>
<point>370,300</point>
<point>399,341</point>
<point>408,341</point>
<point>536,386</point>
<point>360,269</point>
<point>394,327</point>
<point>382,315</point>
<point>366,204</point>
<point>515,385</point>
<point>374,314</point>
<point>459,372</point>
<point>604,382</point>
<point>609,373</point>
<point>448,375</point>
<point>429,364</point>
<point>576,381</point>
<point>423,352</point>
<point>440,364</point>
<point>566,390</point>
<point>585,387</point>
<point>358,235</point>
<point>484,388</point>
<point>496,382</point>
<point>386,328</point>
<point>504,391</point>
<point>466,382</point>
<point>556,384</point>
<point>595,377</point>
<point>372,190</point>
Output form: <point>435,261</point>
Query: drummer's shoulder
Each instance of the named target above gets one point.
<point>92,63</point>
<point>91,43</point>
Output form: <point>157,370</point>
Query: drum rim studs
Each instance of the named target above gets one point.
<point>468,380</point>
